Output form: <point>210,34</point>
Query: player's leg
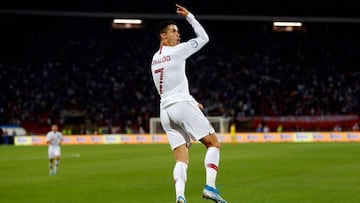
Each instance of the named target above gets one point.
<point>51,166</point>
<point>180,172</point>
<point>178,144</point>
<point>211,162</point>
<point>51,160</point>
<point>56,164</point>
<point>212,158</point>
<point>57,159</point>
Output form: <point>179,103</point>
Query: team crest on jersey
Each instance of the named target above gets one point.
<point>194,44</point>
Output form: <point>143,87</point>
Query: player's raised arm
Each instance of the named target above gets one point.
<point>201,36</point>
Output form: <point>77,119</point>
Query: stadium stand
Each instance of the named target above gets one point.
<point>75,70</point>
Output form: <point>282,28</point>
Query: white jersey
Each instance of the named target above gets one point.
<point>168,66</point>
<point>55,138</point>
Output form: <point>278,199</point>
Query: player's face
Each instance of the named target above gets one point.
<point>54,128</point>
<point>172,37</point>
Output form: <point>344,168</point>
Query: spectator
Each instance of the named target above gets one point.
<point>259,127</point>
<point>356,127</point>
<point>266,129</point>
<point>337,128</point>
<point>6,137</point>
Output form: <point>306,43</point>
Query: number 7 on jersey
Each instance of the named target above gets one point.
<point>161,72</point>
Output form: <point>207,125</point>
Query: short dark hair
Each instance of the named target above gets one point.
<point>164,24</point>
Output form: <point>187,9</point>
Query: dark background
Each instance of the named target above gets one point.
<point>304,8</point>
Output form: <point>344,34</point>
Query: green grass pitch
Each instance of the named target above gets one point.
<point>248,173</point>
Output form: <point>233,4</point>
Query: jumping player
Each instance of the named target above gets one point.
<point>181,115</point>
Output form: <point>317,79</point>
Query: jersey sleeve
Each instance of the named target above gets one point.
<point>193,45</point>
<point>47,137</point>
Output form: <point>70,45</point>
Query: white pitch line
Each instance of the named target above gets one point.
<point>77,155</point>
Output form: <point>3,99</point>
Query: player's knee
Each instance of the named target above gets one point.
<point>216,144</point>
<point>211,141</point>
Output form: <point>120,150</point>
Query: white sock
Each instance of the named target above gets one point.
<point>212,158</point>
<point>57,163</point>
<point>180,176</point>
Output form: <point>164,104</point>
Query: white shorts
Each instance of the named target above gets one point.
<point>184,122</point>
<point>54,151</point>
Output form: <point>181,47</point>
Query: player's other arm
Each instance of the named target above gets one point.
<point>48,139</point>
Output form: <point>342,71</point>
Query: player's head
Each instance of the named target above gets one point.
<point>169,33</point>
<point>54,127</point>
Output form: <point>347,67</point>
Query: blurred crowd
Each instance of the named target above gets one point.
<point>73,67</point>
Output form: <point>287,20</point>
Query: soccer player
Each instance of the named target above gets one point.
<point>181,115</point>
<point>54,139</point>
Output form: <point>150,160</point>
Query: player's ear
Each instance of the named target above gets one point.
<point>163,35</point>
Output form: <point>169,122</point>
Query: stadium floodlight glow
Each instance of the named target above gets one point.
<point>122,23</point>
<point>284,24</point>
<point>127,21</point>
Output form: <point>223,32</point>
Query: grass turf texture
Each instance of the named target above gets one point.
<point>252,172</point>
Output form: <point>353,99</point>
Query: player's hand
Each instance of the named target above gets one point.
<point>182,11</point>
<point>201,106</point>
